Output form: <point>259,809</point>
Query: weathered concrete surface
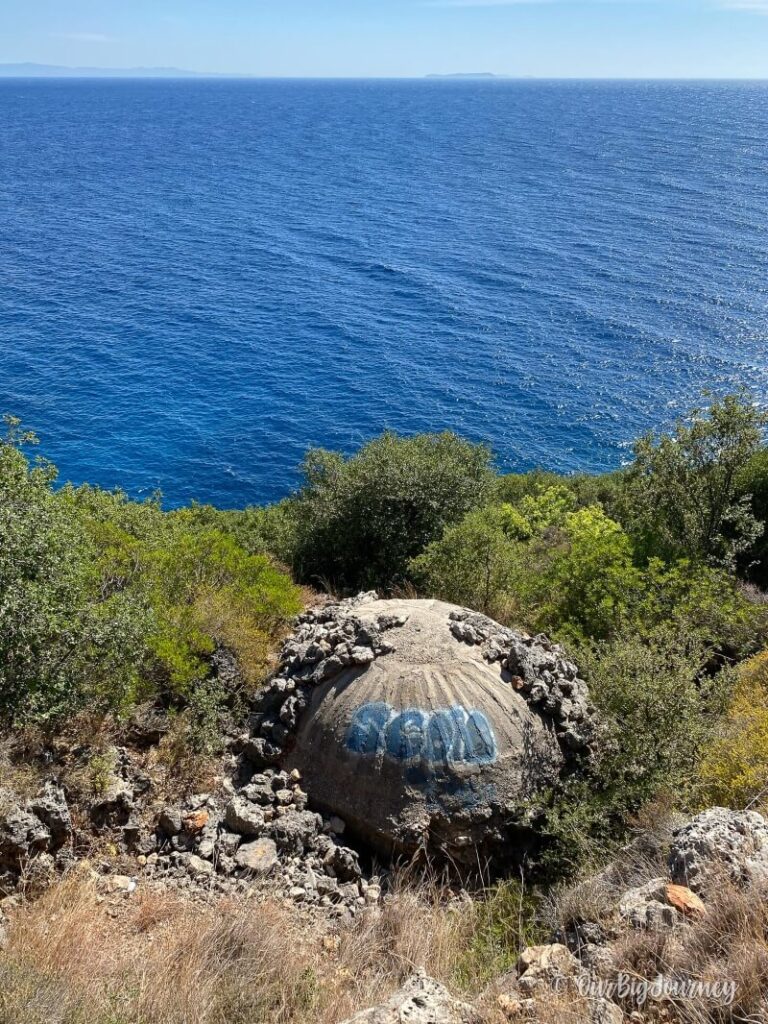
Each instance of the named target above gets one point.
<point>432,724</point>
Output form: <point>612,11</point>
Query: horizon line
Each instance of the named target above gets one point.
<point>107,74</point>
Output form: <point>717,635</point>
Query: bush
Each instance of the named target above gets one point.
<point>259,530</point>
<point>585,583</point>
<point>734,772</point>
<point>204,591</point>
<point>543,563</point>
<point>660,707</point>
<point>475,562</point>
<point>586,488</point>
<point>553,567</point>
<point>707,603</point>
<point>681,497</point>
<point>63,639</point>
<point>207,593</point>
<point>360,520</point>
<point>108,602</point>
<point>659,711</point>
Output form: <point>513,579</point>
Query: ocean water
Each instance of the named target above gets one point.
<point>200,279</point>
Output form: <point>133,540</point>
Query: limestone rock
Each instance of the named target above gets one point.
<point>647,906</point>
<point>421,1000</point>
<point>51,808</point>
<point>720,843</point>
<point>196,821</point>
<point>295,830</point>
<point>170,821</point>
<point>114,805</point>
<point>549,966</point>
<point>243,817</point>
<point>258,858</point>
<point>21,833</point>
<point>199,868</point>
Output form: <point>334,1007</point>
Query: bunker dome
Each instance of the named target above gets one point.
<point>422,724</point>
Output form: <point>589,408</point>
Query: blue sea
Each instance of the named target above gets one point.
<point>201,279</point>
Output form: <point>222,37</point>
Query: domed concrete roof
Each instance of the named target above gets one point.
<point>423,726</point>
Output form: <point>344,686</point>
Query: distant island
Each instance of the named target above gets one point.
<point>470,74</point>
<point>30,70</point>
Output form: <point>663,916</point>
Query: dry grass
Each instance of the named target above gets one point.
<point>74,957</point>
<point>595,896</point>
<point>728,945</point>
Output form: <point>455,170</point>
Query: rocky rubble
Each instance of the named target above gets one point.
<point>35,831</point>
<point>261,833</point>
<point>540,671</point>
<point>542,974</point>
<point>326,641</point>
<point>421,1000</point>
<point>260,836</point>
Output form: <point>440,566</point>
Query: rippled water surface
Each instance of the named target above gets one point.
<point>199,280</point>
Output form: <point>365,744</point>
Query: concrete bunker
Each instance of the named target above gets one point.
<point>424,725</point>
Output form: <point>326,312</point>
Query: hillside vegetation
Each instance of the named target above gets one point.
<point>651,577</point>
<point>112,610</point>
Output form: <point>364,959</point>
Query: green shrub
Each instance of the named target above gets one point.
<point>107,602</point>
<point>587,488</point>
<point>203,590</point>
<point>572,572</point>
<point>63,639</point>
<point>681,497</point>
<point>474,562</point>
<point>543,564</point>
<point>660,706</point>
<point>659,711</point>
<point>207,592</point>
<point>734,772</point>
<point>259,530</point>
<point>360,520</point>
<point>707,603</point>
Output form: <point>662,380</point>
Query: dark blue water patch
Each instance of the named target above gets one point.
<point>199,280</point>
<point>422,739</point>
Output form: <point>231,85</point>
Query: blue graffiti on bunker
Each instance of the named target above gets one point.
<point>446,736</point>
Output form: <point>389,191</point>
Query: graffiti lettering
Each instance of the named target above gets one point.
<point>453,735</point>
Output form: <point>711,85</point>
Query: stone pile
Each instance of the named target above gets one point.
<point>540,671</point>
<point>326,642</point>
<point>262,833</point>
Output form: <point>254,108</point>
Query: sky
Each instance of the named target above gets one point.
<point>396,38</point>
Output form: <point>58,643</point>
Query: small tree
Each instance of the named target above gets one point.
<point>681,498</point>
<point>753,484</point>
<point>361,519</point>
<point>541,564</point>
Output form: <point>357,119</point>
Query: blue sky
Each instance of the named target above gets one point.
<point>613,38</point>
